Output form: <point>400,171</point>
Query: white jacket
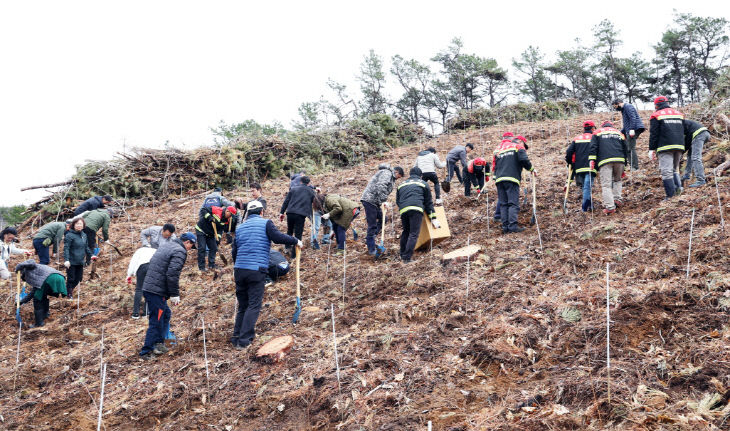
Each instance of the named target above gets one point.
<point>139,258</point>
<point>428,162</point>
<point>7,249</point>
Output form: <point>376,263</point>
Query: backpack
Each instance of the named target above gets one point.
<point>212,201</point>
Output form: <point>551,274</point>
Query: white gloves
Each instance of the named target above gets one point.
<point>386,204</point>
<point>67,264</point>
<point>175,300</point>
<point>300,244</point>
<point>435,223</point>
<point>632,133</point>
<point>326,216</point>
<point>652,156</point>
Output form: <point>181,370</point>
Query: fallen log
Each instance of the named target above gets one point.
<point>63,183</point>
<point>275,350</point>
<point>461,254</point>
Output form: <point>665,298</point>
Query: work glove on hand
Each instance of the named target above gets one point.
<point>67,264</point>
<point>281,217</point>
<point>28,253</point>
<point>300,244</point>
<point>326,216</point>
<point>46,242</point>
<point>435,223</point>
<point>632,133</point>
<point>652,155</point>
<point>175,300</point>
<point>534,173</point>
<point>592,164</point>
<point>93,258</point>
<point>623,174</point>
<point>386,204</point>
<point>229,238</point>
<point>129,280</point>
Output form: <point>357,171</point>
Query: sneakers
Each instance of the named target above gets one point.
<point>147,356</point>
<point>698,183</point>
<point>160,349</point>
<point>241,346</point>
<point>439,202</point>
<point>518,229</point>
<point>618,202</point>
<point>135,316</point>
<point>609,211</point>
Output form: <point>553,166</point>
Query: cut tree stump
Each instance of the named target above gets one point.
<point>461,254</point>
<point>275,350</point>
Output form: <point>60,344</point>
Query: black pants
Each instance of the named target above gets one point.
<point>74,275</point>
<point>41,307</point>
<point>411,221</point>
<point>159,321</point>
<point>250,294</point>
<point>91,240</point>
<point>295,228</point>
<point>509,201</point>
<point>431,176</point>
<point>472,179</point>
<point>141,274</point>
<point>374,218</point>
<point>451,169</point>
<point>205,241</point>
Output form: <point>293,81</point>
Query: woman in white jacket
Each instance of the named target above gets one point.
<point>8,248</point>
<point>428,161</point>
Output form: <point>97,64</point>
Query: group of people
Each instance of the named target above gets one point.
<point>155,267</point>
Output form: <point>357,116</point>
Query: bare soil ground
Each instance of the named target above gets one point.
<point>525,350</point>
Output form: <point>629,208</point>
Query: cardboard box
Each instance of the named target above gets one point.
<point>428,232</point>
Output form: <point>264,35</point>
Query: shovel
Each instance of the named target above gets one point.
<point>446,186</point>
<point>17,301</point>
<point>115,248</point>
<point>298,310</point>
<point>380,249</point>
<point>567,189</point>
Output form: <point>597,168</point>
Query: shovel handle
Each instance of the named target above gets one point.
<point>17,297</point>
<point>298,254</point>
<point>382,229</point>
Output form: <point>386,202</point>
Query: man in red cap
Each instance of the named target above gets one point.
<point>577,156</point>
<point>506,136</point>
<point>507,164</point>
<point>213,222</point>
<point>666,142</point>
<point>476,174</point>
<point>609,153</point>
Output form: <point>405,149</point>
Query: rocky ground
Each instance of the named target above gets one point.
<point>518,344</point>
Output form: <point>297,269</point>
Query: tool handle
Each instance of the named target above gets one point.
<point>17,297</point>
<point>382,230</point>
<point>299,252</point>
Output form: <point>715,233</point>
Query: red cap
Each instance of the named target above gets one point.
<point>660,99</point>
<point>232,210</point>
<point>508,135</point>
<point>522,138</point>
<point>607,124</point>
<point>589,123</point>
<point>480,161</point>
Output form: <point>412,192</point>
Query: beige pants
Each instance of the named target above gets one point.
<point>611,183</point>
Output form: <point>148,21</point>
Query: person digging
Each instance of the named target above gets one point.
<point>45,281</point>
<point>413,198</point>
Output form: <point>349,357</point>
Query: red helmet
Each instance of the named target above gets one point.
<point>607,124</point>
<point>480,161</point>
<point>660,99</point>
<point>589,123</point>
<point>508,135</point>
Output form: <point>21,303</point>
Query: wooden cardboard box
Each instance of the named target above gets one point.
<point>428,232</point>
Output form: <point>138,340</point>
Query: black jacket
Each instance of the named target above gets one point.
<point>414,194</point>
<point>666,129</point>
<point>691,130</point>
<point>508,161</point>
<point>89,205</point>
<point>163,272</point>
<point>608,145</point>
<point>578,152</point>
<point>206,221</point>
<point>75,247</point>
<point>299,201</point>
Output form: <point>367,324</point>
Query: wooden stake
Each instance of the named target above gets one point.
<point>608,337</point>
<point>691,229</point>
<point>101,398</point>
<point>344,274</point>
<point>205,355</point>
<point>327,271</point>
<point>334,342</point>
<point>468,266</point>
<point>719,202</point>
<point>534,210</point>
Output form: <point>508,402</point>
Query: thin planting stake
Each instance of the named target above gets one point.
<point>608,337</point>
<point>534,210</point>
<point>691,229</point>
<point>327,271</point>
<point>468,265</point>
<point>334,342</point>
<point>719,202</point>
<point>101,398</point>
<point>344,273</point>
<point>205,355</point>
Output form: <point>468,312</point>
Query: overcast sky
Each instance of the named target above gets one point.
<point>81,79</point>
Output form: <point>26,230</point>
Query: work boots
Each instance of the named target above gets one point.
<point>668,188</point>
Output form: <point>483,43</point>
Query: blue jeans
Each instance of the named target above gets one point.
<point>42,251</point>
<point>159,321</point>
<point>582,178</point>
<point>316,224</point>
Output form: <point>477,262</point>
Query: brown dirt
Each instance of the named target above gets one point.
<point>413,348</point>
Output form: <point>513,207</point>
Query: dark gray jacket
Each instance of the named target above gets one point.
<point>75,247</point>
<point>163,273</point>
<point>457,153</point>
<point>298,201</point>
<point>34,273</point>
<point>380,186</point>
<point>89,205</point>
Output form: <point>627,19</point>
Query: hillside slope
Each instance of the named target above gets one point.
<point>525,350</point>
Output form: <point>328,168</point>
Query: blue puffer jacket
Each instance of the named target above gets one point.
<point>631,120</point>
<point>253,239</point>
<point>163,273</point>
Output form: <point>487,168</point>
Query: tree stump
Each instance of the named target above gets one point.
<point>275,349</point>
<point>461,254</point>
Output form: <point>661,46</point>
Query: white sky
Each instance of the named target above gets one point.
<point>79,79</point>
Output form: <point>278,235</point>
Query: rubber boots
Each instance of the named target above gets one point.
<point>39,313</point>
<point>668,188</point>
<point>678,189</point>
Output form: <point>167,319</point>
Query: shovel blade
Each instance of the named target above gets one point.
<point>297,311</point>
<point>446,186</point>
<point>379,251</point>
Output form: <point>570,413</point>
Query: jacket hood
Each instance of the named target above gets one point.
<point>662,105</point>
<point>424,153</point>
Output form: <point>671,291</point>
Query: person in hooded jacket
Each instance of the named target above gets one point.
<point>75,253</point>
<point>8,248</point>
<point>44,281</point>
<point>428,161</point>
<point>374,197</point>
